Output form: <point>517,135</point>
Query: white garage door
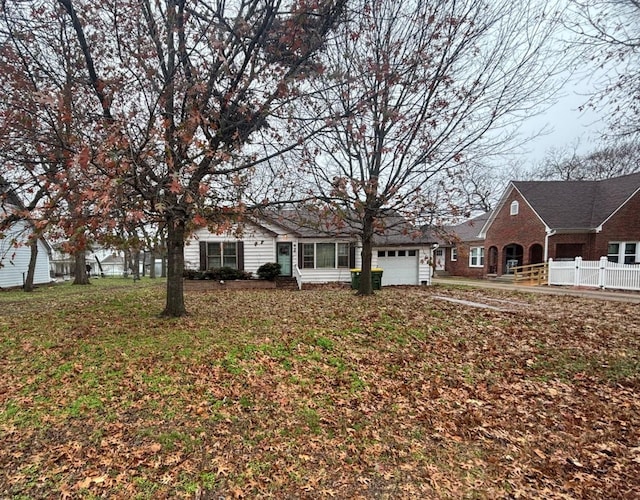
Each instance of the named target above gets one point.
<point>400,267</point>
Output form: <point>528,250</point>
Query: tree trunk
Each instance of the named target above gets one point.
<point>163,252</point>
<point>175,267</point>
<point>80,273</point>
<point>152,264</point>
<point>31,271</point>
<point>366,287</point>
<point>135,265</point>
<point>127,262</point>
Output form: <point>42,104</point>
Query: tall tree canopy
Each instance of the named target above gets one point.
<point>424,89</point>
<point>46,126</point>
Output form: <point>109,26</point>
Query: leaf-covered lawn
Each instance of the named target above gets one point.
<point>317,394</point>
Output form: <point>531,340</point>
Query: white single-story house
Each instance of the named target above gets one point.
<point>309,253</point>
<point>15,251</point>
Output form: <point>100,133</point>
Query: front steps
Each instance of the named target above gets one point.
<point>286,283</point>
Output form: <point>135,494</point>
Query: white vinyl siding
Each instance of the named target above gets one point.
<point>259,247</point>
<point>15,259</point>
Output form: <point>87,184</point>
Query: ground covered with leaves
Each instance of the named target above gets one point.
<point>317,394</point>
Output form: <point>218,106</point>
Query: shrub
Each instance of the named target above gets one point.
<point>226,274</point>
<point>193,274</point>
<point>218,273</point>
<point>269,271</point>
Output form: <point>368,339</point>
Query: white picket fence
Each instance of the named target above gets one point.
<point>595,273</point>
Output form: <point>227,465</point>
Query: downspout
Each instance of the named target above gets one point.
<point>548,234</point>
<point>434,247</point>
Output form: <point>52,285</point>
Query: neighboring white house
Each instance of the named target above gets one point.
<point>15,251</point>
<point>309,254</point>
<point>102,261</point>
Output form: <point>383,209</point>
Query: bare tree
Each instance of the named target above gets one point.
<point>603,163</point>
<point>425,88</point>
<point>609,39</point>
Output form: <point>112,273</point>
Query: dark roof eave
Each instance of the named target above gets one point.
<point>377,244</point>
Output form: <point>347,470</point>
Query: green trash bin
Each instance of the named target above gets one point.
<point>355,279</point>
<point>376,279</point>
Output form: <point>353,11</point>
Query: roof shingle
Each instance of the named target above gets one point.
<point>578,204</point>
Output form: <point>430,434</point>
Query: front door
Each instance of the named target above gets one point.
<point>283,250</point>
<point>439,258</point>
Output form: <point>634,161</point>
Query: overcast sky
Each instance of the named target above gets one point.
<point>565,123</point>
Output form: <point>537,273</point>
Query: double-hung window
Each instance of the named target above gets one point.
<point>222,254</point>
<point>476,257</point>
<point>625,252</point>
<point>324,255</point>
<point>343,255</point>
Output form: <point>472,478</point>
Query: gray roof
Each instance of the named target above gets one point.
<point>468,230</point>
<point>316,224</point>
<point>578,204</point>
<point>8,194</point>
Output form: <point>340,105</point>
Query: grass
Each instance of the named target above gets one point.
<point>316,394</point>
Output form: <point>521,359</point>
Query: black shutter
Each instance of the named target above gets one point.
<point>299,255</point>
<point>203,256</point>
<point>352,255</point>
<point>240,251</point>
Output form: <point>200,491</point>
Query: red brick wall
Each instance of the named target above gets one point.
<point>525,229</point>
<point>623,226</point>
<point>586,240</point>
<point>460,267</point>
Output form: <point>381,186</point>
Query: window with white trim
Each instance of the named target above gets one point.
<point>325,255</point>
<point>454,254</point>
<point>515,208</point>
<point>625,252</point>
<point>343,254</point>
<point>476,257</point>
<point>222,254</point>
<point>397,253</point>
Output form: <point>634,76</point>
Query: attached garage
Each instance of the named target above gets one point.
<point>400,267</point>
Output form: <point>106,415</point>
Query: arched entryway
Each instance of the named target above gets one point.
<point>513,255</point>
<point>492,262</point>
<point>536,254</point>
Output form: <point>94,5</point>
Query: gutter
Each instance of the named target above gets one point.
<point>548,234</point>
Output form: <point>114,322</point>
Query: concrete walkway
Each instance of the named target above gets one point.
<point>592,293</point>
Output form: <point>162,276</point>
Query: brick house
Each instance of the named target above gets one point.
<point>461,249</point>
<point>538,220</point>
